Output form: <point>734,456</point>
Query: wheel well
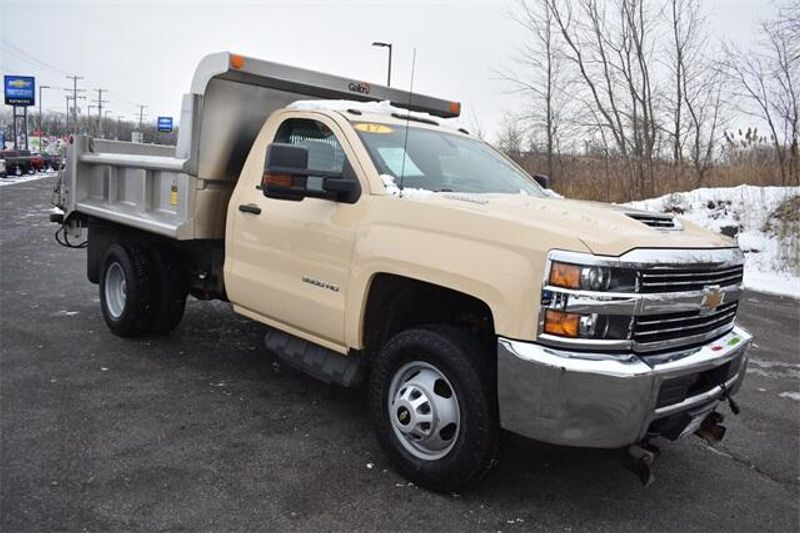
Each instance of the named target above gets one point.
<point>396,303</point>
<point>202,260</point>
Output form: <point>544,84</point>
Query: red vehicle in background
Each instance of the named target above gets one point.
<point>37,162</point>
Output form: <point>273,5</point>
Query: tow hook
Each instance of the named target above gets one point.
<point>639,460</point>
<point>711,429</point>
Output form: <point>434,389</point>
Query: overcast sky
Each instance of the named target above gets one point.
<point>146,51</point>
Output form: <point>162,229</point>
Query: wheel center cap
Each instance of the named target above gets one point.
<point>403,416</point>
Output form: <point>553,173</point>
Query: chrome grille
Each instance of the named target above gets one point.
<point>659,329</point>
<point>688,279</point>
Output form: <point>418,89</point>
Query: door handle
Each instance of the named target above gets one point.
<point>250,208</point>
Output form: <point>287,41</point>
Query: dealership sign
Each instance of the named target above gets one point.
<point>165,124</point>
<point>20,90</point>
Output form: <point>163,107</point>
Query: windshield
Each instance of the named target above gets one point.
<point>441,161</point>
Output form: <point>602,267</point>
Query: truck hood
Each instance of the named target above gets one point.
<point>605,229</point>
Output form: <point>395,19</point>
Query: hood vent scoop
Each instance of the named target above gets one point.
<point>656,220</point>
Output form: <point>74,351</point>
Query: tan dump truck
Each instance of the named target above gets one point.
<point>382,248</point>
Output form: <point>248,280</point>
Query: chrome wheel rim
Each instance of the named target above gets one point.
<point>423,410</point>
<point>116,290</point>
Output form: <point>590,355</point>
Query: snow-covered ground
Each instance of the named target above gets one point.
<point>11,179</point>
<point>765,224</point>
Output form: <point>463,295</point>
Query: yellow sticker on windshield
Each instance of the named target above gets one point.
<point>373,128</point>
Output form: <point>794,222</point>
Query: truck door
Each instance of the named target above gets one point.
<point>287,262</point>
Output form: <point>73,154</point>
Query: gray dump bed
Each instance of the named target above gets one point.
<point>231,97</point>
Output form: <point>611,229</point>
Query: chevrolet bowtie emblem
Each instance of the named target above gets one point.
<point>712,298</point>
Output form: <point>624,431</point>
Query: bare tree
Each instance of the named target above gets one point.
<point>696,102</point>
<point>613,54</point>
<point>541,76</point>
<point>769,79</point>
<point>512,137</point>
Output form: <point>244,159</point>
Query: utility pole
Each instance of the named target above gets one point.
<point>41,148</point>
<point>100,103</point>
<point>75,79</point>
<point>141,114</point>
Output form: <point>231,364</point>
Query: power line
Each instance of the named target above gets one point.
<point>38,62</point>
<point>75,79</point>
<point>100,103</point>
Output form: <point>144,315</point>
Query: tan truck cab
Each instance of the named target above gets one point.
<point>382,247</point>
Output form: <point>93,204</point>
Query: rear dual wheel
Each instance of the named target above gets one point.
<point>141,290</point>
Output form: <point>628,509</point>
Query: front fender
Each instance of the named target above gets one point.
<point>504,277</point>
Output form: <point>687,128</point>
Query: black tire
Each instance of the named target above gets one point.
<point>139,307</point>
<point>467,363</point>
<point>173,288</point>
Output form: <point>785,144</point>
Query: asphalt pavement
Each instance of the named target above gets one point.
<point>202,430</point>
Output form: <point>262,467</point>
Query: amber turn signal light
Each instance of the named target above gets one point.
<point>565,275</point>
<point>278,180</point>
<point>560,323</point>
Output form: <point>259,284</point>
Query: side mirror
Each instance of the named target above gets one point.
<point>285,172</point>
<point>287,177</point>
<point>542,180</point>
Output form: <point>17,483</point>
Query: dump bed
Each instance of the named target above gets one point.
<point>182,192</point>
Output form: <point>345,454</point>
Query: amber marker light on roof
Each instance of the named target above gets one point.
<point>455,107</point>
<point>237,61</point>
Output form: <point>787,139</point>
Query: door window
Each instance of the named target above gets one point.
<point>324,150</point>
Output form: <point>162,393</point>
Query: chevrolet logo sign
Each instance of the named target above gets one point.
<point>712,298</point>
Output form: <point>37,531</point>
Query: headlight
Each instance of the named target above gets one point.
<point>588,278</point>
<point>588,326</point>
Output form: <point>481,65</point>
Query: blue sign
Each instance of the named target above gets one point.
<point>20,90</point>
<point>165,124</point>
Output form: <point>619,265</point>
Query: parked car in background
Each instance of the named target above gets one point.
<point>18,161</point>
<point>3,172</point>
<point>53,158</point>
<point>38,162</point>
<point>50,160</point>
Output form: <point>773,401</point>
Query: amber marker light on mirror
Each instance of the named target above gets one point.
<point>560,323</point>
<point>565,275</point>
<point>278,180</point>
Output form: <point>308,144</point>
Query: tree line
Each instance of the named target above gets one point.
<point>629,98</point>
<point>60,125</point>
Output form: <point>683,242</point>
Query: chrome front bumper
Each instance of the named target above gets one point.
<point>601,400</point>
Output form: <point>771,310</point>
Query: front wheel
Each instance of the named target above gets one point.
<point>433,401</point>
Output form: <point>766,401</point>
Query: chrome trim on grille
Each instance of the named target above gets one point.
<point>624,303</point>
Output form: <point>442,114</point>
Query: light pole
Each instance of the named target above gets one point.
<point>389,46</point>
<point>41,148</point>
<point>89,118</point>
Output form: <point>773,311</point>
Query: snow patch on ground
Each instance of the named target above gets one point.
<point>771,247</point>
<point>24,178</point>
